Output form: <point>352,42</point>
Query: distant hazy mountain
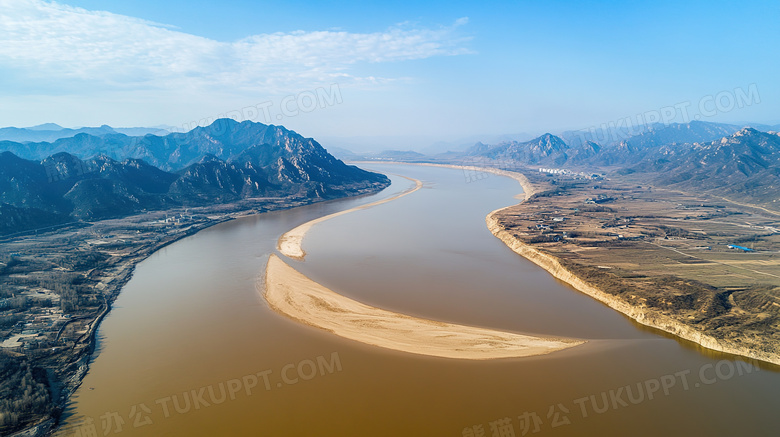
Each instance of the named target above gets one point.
<point>579,150</point>
<point>738,163</point>
<point>762,127</point>
<point>745,165</point>
<point>547,149</point>
<point>544,148</point>
<point>82,145</point>
<point>463,144</point>
<point>46,127</point>
<point>63,187</point>
<point>344,154</point>
<point>50,132</point>
<point>140,131</point>
<point>649,135</point>
<point>635,149</point>
<point>425,144</point>
<point>679,133</point>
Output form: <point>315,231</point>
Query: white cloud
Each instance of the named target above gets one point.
<point>52,42</point>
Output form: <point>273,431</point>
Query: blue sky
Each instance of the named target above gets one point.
<point>398,75</point>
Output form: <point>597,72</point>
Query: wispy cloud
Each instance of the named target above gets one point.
<point>73,46</point>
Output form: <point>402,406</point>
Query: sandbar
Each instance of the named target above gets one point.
<point>294,295</point>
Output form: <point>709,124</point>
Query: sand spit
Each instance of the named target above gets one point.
<point>292,294</point>
<point>290,244</point>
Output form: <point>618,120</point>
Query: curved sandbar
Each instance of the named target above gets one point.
<point>290,244</point>
<point>292,294</point>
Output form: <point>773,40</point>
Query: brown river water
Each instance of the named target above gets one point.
<point>191,349</point>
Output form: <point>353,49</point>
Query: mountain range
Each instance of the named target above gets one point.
<point>745,166</point>
<point>547,149</point>
<point>577,147</point>
<point>52,132</point>
<point>225,138</point>
<point>738,162</point>
<point>88,177</point>
<point>215,164</point>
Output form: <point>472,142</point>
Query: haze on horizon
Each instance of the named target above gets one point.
<point>383,74</point>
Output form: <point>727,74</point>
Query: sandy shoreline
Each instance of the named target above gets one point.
<point>292,294</point>
<point>291,243</point>
<point>643,316</point>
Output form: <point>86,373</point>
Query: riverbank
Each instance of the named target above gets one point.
<point>668,318</point>
<point>102,256</point>
<point>67,351</point>
<point>291,294</point>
